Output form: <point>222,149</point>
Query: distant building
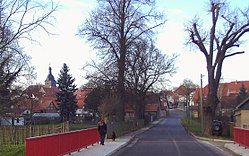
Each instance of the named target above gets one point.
<point>50,81</point>
<point>81,95</point>
<point>40,98</point>
<point>242,114</point>
<point>153,107</point>
<point>44,100</point>
<point>227,94</point>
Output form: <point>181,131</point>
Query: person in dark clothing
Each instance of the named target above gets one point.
<point>102,128</point>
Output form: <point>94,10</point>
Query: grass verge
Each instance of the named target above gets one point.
<point>12,150</point>
<point>19,150</point>
<point>193,126</point>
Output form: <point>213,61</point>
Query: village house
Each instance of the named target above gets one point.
<point>46,96</point>
<point>154,107</point>
<point>179,97</point>
<point>35,99</point>
<point>81,95</point>
<point>241,114</point>
<point>168,98</point>
<point>180,94</point>
<point>41,101</point>
<point>227,94</point>
<point>41,98</point>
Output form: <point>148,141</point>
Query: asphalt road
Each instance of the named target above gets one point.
<point>168,138</point>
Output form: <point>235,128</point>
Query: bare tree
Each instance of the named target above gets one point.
<point>146,67</point>
<point>18,20</point>
<point>218,43</point>
<point>102,73</point>
<point>114,27</point>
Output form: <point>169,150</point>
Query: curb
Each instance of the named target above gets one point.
<point>206,139</point>
<point>226,143</point>
<point>120,147</point>
<point>216,140</point>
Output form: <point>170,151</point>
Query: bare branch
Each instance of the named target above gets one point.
<point>199,40</point>
<point>235,53</point>
<point>223,42</point>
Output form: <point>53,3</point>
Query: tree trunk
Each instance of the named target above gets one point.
<point>139,107</point>
<point>121,89</point>
<point>212,102</point>
<point>121,66</point>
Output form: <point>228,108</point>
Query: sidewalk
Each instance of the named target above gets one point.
<point>111,146</point>
<point>237,149</point>
<point>240,150</point>
<point>100,150</point>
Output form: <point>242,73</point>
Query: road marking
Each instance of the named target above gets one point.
<point>177,148</point>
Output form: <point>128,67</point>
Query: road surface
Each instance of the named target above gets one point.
<point>169,138</point>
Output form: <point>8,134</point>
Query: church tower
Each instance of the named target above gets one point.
<point>50,81</point>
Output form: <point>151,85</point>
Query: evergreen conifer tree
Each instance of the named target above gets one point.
<point>66,97</point>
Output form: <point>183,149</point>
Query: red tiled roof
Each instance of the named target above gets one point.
<point>45,102</point>
<point>181,90</point>
<point>51,91</point>
<point>197,93</point>
<point>47,95</point>
<point>224,90</point>
<point>81,96</point>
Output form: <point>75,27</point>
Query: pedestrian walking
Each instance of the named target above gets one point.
<point>102,128</point>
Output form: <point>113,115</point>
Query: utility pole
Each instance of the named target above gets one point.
<point>201,105</point>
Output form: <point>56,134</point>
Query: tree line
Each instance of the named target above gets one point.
<point>19,19</point>
<point>123,32</point>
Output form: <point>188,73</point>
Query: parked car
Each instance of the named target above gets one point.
<point>217,127</point>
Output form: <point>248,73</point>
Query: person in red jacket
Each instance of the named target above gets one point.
<point>102,128</point>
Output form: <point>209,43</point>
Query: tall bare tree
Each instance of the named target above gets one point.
<point>216,44</point>
<point>146,67</point>
<point>18,20</point>
<point>114,26</point>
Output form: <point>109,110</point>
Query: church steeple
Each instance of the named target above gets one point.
<point>50,81</point>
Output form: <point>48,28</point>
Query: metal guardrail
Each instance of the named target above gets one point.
<point>241,136</point>
<point>61,144</point>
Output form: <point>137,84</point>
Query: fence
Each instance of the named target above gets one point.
<point>18,134</point>
<point>121,128</point>
<point>61,144</point>
<point>241,136</point>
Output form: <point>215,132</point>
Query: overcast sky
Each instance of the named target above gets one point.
<point>67,47</point>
